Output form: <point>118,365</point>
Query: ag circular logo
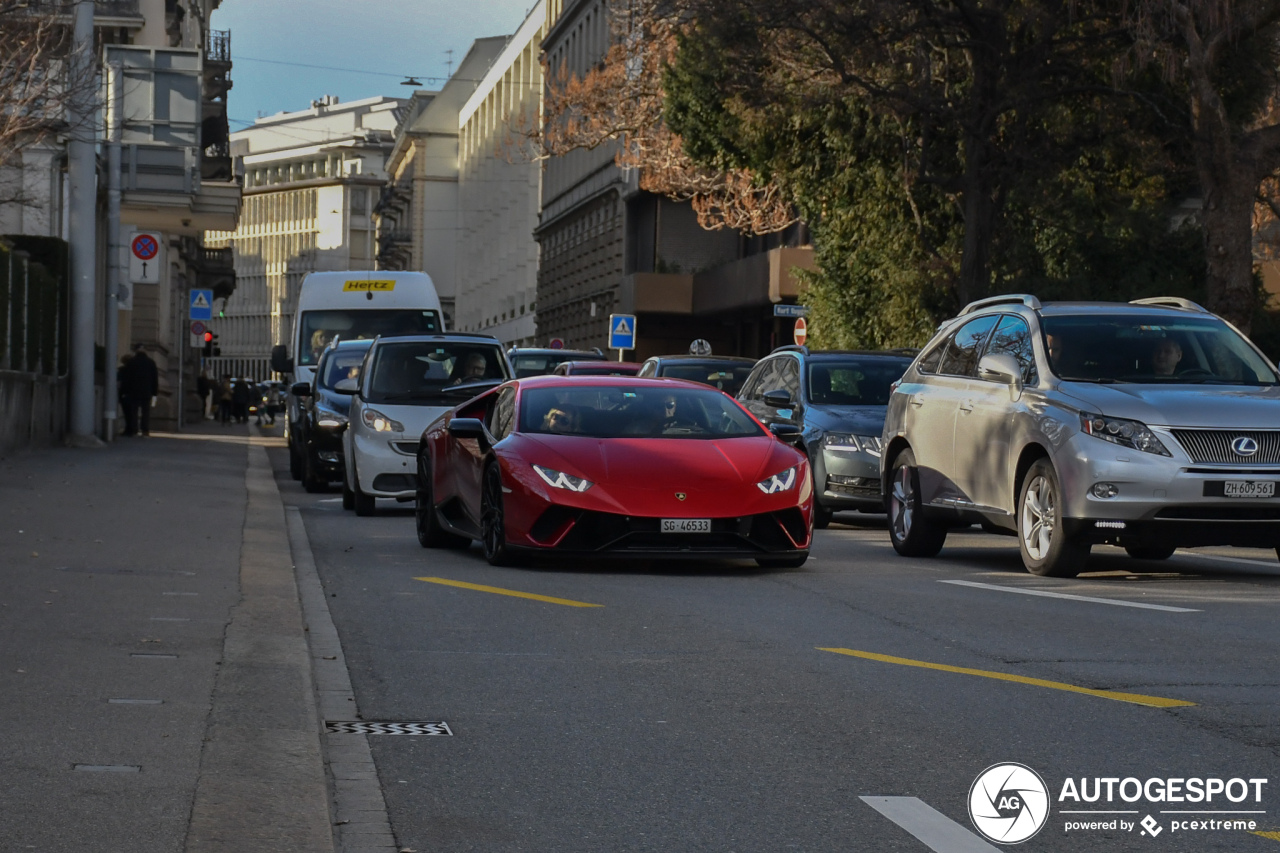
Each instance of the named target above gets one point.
<point>1008,803</point>
<point>1244,446</point>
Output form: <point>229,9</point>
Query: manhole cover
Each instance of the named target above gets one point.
<point>366,727</point>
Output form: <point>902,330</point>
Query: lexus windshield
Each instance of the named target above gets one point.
<point>1152,349</point>
<point>605,411</point>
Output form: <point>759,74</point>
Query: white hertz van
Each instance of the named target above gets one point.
<point>349,306</point>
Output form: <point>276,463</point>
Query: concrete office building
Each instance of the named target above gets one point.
<point>499,191</point>
<point>608,247</point>
<point>311,179</point>
<point>418,211</point>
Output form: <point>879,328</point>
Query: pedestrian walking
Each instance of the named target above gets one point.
<point>258,402</point>
<point>139,385</point>
<point>240,401</point>
<point>204,388</point>
<point>224,399</point>
<point>273,402</point>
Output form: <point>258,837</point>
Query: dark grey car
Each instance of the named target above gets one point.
<point>837,399</point>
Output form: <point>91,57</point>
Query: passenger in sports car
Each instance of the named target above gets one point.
<point>560,419</point>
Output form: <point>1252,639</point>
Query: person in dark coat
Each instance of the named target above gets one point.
<point>139,383</point>
<point>240,401</point>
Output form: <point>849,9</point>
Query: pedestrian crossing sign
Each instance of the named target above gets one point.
<point>201,305</point>
<point>622,331</point>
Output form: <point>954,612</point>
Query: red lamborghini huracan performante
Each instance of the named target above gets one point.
<point>612,466</point>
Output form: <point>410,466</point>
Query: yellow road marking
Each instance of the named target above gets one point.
<point>1274,836</point>
<point>512,592</point>
<point>1135,698</point>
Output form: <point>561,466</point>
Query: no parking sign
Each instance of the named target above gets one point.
<point>144,258</point>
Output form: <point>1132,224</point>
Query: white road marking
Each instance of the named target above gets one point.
<point>1087,598</point>
<point>937,831</point>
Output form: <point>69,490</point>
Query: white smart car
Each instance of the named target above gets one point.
<point>405,384</point>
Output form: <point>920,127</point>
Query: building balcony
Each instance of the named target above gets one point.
<point>216,271</point>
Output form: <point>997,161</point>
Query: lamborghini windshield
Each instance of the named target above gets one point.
<point>636,411</point>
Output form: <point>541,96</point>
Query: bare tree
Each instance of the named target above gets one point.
<point>1224,54</point>
<point>620,101</point>
<point>35,43</point>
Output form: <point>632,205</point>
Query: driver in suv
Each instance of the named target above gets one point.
<point>1150,425</point>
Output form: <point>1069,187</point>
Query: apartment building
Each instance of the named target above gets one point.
<point>311,180</point>
<point>167,109</point>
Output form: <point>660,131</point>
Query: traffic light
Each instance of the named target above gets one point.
<point>211,347</point>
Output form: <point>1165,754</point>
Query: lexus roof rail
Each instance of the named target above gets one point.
<point>1007,299</point>
<point>1171,302</point>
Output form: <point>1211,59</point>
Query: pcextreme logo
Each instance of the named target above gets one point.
<point>1009,803</point>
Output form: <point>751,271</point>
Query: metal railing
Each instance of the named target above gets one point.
<point>219,47</point>
<point>33,316</point>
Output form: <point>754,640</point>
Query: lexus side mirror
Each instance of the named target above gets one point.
<point>777,399</point>
<point>1000,367</point>
<point>280,361</point>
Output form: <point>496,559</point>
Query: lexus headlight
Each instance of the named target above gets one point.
<point>851,443</point>
<point>379,422</point>
<point>561,480</point>
<point>778,482</point>
<point>1124,432</point>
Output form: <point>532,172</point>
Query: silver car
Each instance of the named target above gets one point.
<point>1150,425</point>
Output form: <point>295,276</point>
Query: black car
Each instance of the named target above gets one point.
<point>838,399</point>
<point>324,412</point>
<point>726,372</point>
<point>537,361</point>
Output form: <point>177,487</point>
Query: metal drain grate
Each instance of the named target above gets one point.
<point>364,727</point>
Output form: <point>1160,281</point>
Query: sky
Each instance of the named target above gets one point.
<point>378,42</point>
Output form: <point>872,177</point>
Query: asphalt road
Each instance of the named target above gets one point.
<point>721,707</point>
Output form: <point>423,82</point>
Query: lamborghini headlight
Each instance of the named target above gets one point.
<point>560,480</point>
<point>778,482</point>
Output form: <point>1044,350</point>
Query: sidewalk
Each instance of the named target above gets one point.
<point>155,680</point>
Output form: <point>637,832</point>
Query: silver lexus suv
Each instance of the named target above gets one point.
<point>1150,425</point>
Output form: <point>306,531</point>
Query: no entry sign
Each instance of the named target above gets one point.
<point>801,333</point>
